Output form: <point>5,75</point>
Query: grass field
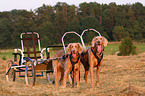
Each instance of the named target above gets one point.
<point>119,76</point>
<point>111,49</point>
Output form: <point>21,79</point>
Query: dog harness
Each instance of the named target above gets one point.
<point>99,57</point>
<point>73,63</point>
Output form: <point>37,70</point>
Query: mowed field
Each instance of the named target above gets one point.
<point>119,76</point>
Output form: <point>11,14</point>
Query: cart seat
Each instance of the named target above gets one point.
<point>31,45</point>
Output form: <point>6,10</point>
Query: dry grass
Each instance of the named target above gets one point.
<point>119,76</point>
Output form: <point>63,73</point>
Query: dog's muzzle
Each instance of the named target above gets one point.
<point>74,53</point>
<point>99,46</point>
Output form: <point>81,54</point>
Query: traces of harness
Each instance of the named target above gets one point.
<point>70,55</point>
<point>73,63</point>
<point>99,58</point>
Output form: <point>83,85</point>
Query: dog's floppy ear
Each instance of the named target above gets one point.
<point>69,48</point>
<point>105,41</point>
<point>93,42</point>
<point>80,48</point>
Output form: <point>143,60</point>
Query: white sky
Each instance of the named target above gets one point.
<point>8,5</point>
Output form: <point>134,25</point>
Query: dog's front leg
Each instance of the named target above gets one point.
<point>91,73</point>
<point>77,78</point>
<point>65,76</point>
<point>76,71</point>
<point>98,71</point>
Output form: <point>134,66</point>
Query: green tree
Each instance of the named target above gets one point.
<point>22,22</point>
<point>90,22</point>
<point>72,13</point>
<point>119,33</point>
<point>108,20</point>
<point>73,26</point>
<point>83,9</point>
<point>47,33</point>
<point>60,21</point>
<point>5,31</point>
<point>121,14</point>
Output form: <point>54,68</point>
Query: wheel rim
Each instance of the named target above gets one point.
<point>30,72</point>
<point>50,77</point>
<point>11,75</point>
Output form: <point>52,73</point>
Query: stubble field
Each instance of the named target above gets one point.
<point>119,76</point>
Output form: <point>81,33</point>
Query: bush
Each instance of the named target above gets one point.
<point>126,48</point>
<point>4,58</point>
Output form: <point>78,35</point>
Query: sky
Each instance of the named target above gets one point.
<point>8,5</point>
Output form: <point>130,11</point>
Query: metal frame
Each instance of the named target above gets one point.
<point>81,37</point>
<point>22,63</point>
<point>22,42</point>
<point>72,32</point>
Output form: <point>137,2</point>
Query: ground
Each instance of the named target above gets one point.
<point>119,76</point>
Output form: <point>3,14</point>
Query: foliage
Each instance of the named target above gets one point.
<point>4,58</point>
<point>126,48</point>
<point>51,22</point>
<point>119,33</point>
<point>5,31</point>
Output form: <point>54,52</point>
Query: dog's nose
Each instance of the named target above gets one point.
<point>73,51</point>
<point>98,42</point>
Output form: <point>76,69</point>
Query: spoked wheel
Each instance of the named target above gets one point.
<point>10,72</point>
<point>50,77</point>
<point>30,74</point>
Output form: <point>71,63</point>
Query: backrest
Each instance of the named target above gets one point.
<point>31,45</point>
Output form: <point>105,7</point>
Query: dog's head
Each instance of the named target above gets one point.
<point>99,41</point>
<point>74,48</point>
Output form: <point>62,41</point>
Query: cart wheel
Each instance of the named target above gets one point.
<point>30,74</point>
<point>11,75</point>
<point>50,77</point>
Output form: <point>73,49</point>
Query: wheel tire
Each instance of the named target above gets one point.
<point>11,76</point>
<point>50,77</point>
<point>30,74</point>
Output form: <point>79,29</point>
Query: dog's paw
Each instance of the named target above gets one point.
<point>63,86</point>
<point>98,85</point>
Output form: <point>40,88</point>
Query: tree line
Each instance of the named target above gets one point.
<point>113,21</point>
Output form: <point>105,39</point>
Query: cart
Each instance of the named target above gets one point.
<point>31,62</point>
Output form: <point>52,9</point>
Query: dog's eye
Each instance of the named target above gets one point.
<point>100,38</point>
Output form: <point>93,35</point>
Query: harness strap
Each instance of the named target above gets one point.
<point>73,63</point>
<point>99,58</point>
